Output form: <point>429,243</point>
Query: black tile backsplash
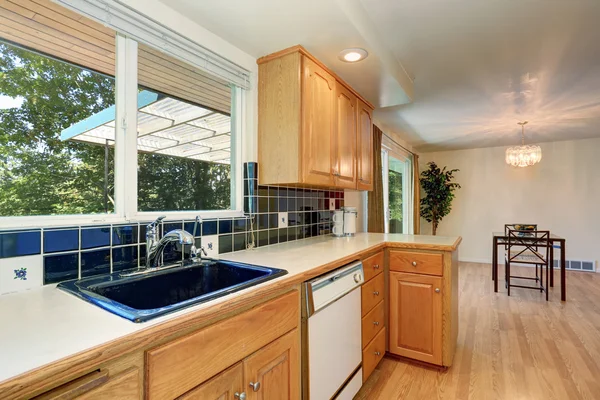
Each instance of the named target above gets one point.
<point>95,262</point>
<point>61,267</point>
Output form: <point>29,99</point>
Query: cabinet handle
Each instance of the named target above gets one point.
<point>376,293</point>
<point>437,289</point>
<point>414,263</point>
<point>376,266</point>
<point>255,386</point>
<point>377,353</point>
<point>375,323</point>
<point>241,396</point>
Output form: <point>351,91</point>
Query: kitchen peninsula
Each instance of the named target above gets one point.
<point>57,343</point>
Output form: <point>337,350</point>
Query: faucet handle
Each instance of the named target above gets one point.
<point>158,220</point>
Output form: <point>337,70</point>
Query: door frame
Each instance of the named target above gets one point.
<point>407,189</point>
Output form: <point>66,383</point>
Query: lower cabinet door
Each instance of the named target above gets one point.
<point>227,385</point>
<point>415,319</point>
<point>273,372</point>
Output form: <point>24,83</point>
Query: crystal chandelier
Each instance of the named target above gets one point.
<point>523,155</point>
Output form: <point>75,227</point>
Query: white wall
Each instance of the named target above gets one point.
<point>561,194</point>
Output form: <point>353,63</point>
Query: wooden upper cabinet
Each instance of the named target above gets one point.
<point>364,150</point>
<point>274,371</point>
<point>344,169</point>
<point>308,124</point>
<point>415,317</point>
<point>318,123</point>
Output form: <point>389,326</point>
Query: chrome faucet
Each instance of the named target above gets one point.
<point>156,246</point>
<point>195,253</point>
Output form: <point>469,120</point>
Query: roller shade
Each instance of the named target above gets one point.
<point>59,32</point>
<point>123,19</point>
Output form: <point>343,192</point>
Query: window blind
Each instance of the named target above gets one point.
<point>127,21</point>
<point>59,32</point>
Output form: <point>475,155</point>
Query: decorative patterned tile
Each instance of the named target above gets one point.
<point>211,245</point>
<point>283,220</point>
<point>20,273</point>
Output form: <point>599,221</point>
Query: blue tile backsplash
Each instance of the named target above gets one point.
<point>20,243</point>
<point>82,251</point>
<point>95,237</point>
<point>61,240</point>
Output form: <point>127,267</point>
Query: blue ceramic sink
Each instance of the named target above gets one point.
<point>142,297</point>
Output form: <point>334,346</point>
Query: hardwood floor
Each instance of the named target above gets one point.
<point>517,347</point>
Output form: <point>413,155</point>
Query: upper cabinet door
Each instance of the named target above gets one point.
<point>273,372</point>
<point>365,147</point>
<point>318,124</point>
<point>344,169</point>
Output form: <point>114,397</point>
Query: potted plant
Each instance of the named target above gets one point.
<point>439,192</point>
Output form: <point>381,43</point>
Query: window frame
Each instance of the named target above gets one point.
<point>126,211</point>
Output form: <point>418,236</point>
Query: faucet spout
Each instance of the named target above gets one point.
<point>176,236</point>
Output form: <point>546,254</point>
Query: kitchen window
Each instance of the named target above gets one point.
<point>99,125</point>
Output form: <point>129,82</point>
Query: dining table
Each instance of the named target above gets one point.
<point>501,239</point>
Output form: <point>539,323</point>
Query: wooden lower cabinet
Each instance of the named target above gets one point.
<point>273,372</point>
<point>228,385</point>
<point>415,321</point>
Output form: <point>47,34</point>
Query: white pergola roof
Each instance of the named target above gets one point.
<point>165,126</point>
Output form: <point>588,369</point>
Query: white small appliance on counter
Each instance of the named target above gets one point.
<point>331,326</point>
<point>344,221</point>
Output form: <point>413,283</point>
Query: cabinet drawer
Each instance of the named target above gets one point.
<point>99,385</point>
<point>416,263</point>
<point>373,353</point>
<point>373,265</point>
<point>176,367</point>
<point>372,293</point>
<point>372,323</point>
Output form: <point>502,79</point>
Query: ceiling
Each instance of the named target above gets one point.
<point>479,67</point>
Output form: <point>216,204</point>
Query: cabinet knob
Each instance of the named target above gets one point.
<point>376,266</point>
<point>376,293</point>
<point>376,323</point>
<point>414,263</point>
<point>437,289</point>
<point>241,396</point>
<point>255,386</point>
<point>377,353</point>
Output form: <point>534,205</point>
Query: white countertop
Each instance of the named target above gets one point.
<point>44,325</point>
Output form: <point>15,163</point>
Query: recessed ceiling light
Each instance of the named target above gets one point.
<point>353,55</point>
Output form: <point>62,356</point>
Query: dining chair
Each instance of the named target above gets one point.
<point>529,247</point>
<point>520,227</point>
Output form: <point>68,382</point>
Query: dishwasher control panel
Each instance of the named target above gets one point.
<point>328,288</point>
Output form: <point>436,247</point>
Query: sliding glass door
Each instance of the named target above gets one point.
<point>397,192</point>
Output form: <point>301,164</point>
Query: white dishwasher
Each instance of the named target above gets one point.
<point>332,332</point>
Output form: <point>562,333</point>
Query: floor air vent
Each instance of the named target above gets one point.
<point>577,265</point>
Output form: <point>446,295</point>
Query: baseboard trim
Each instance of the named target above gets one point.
<point>475,260</point>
